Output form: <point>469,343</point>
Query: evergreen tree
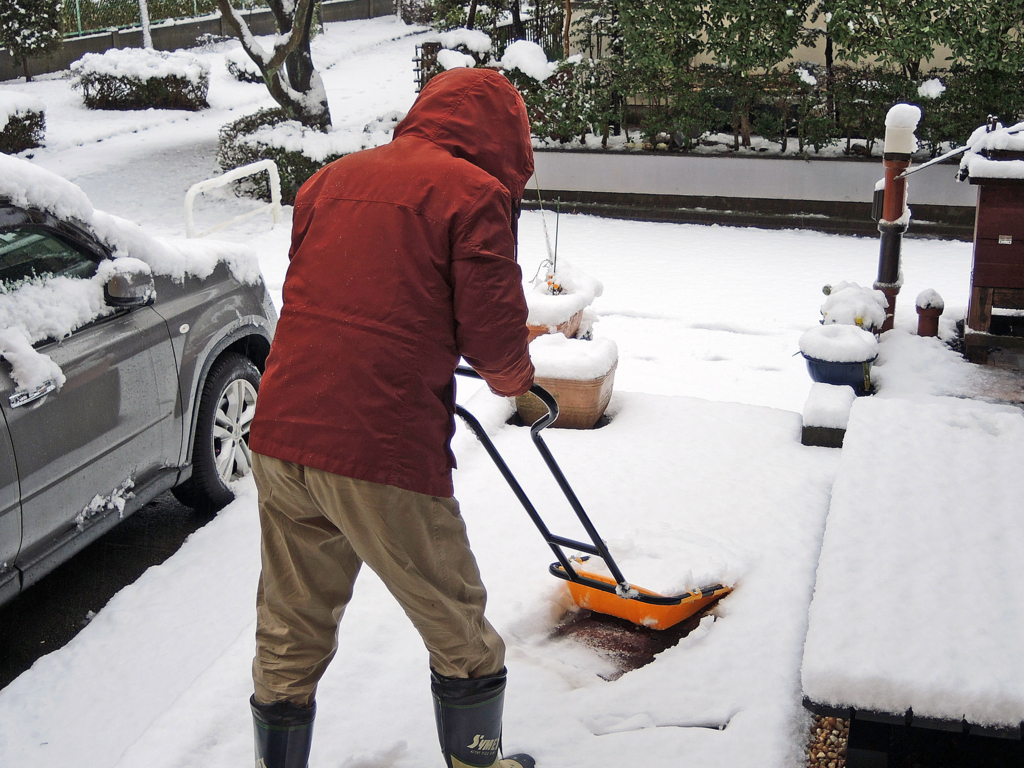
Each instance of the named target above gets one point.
<point>986,34</point>
<point>750,37</point>
<point>30,28</point>
<point>899,33</point>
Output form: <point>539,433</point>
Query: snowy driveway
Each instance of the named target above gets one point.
<point>700,476</point>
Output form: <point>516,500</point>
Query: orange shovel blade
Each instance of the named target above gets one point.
<point>644,614</point>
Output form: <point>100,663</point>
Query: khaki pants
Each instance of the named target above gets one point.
<point>318,529</point>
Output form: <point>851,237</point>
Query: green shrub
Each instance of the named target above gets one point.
<point>136,78</point>
<point>239,144</point>
<point>23,131</point>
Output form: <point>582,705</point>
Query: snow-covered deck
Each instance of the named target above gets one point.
<point>919,601</point>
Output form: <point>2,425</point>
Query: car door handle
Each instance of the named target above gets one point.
<point>23,396</point>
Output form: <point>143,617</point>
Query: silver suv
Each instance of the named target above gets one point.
<point>157,392</point>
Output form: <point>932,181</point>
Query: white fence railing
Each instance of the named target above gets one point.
<point>234,175</point>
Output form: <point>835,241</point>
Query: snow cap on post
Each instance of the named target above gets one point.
<point>900,124</point>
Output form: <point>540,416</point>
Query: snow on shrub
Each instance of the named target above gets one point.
<point>22,122</point>
<point>449,59</point>
<point>139,78</point>
<point>931,89</point>
<point>241,66</point>
<point>298,150</point>
<point>473,40</point>
<point>850,304</point>
<point>575,291</point>
<point>530,59</point>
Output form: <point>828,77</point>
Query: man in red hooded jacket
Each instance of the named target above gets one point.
<point>402,261</point>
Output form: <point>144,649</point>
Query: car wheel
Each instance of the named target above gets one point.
<point>220,452</point>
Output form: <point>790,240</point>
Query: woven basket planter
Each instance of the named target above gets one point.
<point>567,329</point>
<point>580,403</point>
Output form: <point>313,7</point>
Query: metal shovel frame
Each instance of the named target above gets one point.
<point>564,569</point>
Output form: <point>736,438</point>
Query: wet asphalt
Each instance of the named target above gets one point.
<point>51,612</point>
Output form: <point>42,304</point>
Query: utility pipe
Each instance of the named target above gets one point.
<point>900,144</point>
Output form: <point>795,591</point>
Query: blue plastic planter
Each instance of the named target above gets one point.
<point>855,375</point>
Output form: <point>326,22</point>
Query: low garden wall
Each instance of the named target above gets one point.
<point>172,35</point>
<point>827,195</point>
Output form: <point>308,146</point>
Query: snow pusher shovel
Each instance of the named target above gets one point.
<point>612,596</point>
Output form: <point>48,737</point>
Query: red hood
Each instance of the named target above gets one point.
<point>479,116</point>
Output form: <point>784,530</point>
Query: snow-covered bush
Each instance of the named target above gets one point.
<point>241,67</point>
<point>852,304</point>
<point>270,134</point>
<point>22,122</point>
<point>560,294</point>
<point>139,78</point>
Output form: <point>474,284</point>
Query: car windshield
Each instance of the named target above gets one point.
<point>28,253</point>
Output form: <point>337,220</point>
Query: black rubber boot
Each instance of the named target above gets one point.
<point>284,734</point>
<point>468,713</point>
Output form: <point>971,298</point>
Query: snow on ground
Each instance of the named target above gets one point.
<point>699,476</point>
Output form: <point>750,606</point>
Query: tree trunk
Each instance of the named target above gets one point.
<point>288,68</point>
<point>24,66</point>
<point>471,15</point>
<point>566,28</point>
<point>518,31</point>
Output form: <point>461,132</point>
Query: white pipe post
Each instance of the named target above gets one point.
<point>147,38</point>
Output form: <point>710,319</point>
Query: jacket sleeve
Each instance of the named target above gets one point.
<point>487,292</point>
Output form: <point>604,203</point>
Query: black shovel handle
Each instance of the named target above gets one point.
<point>597,547</point>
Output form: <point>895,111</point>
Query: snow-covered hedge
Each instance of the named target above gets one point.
<point>22,122</point>
<point>298,150</point>
<point>271,135</point>
<point>138,78</point>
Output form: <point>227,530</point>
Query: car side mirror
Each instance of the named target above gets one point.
<point>130,289</point>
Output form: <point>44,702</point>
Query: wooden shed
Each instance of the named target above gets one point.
<point>995,318</point>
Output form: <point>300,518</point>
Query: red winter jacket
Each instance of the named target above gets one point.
<point>402,259</point>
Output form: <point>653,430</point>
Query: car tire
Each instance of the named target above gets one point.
<point>220,451</point>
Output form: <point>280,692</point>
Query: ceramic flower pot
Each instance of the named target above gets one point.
<point>568,328</point>
<point>856,375</point>
<point>580,403</point>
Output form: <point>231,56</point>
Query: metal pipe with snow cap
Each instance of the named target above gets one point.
<point>900,144</point>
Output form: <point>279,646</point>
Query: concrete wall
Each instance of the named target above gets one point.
<point>172,35</point>
<point>824,195</point>
<point>768,178</point>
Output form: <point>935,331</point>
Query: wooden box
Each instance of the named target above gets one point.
<point>997,278</point>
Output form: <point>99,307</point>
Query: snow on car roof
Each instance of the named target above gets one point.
<point>54,306</point>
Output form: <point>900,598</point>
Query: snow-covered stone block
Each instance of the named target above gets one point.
<point>826,414</point>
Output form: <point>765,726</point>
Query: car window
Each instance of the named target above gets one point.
<point>34,252</point>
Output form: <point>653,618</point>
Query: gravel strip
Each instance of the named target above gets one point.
<point>826,743</point>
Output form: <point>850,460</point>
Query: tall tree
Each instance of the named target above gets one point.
<point>30,28</point>
<point>898,33</point>
<point>287,67</point>
<point>750,37</point>
<point>986,34</point>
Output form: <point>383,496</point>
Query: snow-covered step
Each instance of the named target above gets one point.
<point>918,608</point>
